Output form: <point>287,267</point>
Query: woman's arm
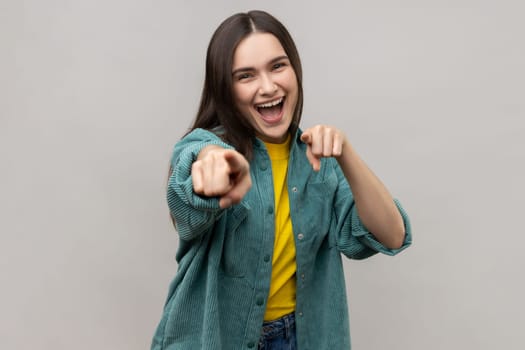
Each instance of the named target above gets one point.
<point>192,210</point>
<point>375,205</point>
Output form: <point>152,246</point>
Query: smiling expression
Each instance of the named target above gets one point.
<point>265,86</point>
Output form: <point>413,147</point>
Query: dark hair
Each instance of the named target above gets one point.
<point>217,107</point>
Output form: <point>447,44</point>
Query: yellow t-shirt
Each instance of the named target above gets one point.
<point>281,298</point>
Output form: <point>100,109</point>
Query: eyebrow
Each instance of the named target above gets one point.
<point>248,69</point>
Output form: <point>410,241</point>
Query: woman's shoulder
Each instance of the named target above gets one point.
<point>191,143</point>
<point>200,134</point>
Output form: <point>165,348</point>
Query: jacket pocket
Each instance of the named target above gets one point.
<point>318,202</point>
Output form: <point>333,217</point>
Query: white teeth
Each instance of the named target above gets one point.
<point>270,104</point>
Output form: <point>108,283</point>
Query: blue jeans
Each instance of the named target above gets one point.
<point>279,334</point>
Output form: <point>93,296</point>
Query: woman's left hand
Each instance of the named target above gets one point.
<point>323,141</point>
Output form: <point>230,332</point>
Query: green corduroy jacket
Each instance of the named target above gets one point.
<point>218,296</point>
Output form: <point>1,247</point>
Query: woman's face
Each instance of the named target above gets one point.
<point>264,86</point>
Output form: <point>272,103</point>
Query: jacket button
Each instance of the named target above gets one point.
<point>251,344</point>
<point>270,210</point>
<point>267,258</point>
<point>260,301</point>
<point>294,189</point>
<point>300,236</point>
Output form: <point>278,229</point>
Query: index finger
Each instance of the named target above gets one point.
<point>235,160</point>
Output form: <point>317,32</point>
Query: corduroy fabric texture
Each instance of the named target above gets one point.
<point>217,298</point>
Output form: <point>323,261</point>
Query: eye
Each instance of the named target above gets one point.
<point>243,76</point>
<point>278,65</point>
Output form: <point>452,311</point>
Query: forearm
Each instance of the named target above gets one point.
<point>191,212</point>
<point>374,203</point>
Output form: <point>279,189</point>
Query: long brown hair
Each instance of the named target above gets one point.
<point>217,107</point>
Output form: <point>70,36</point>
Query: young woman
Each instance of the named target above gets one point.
<point>264,210</point>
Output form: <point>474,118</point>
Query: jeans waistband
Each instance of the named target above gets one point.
<point>279,327</point>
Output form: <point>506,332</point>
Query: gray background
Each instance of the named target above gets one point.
<point>93,95</point>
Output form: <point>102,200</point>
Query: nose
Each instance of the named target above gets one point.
<point>268,86</point>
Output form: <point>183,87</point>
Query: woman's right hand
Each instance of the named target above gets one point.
<point>223,173</point>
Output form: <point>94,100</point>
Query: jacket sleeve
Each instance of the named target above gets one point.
<point>352,237</point>
<point>193,214</point>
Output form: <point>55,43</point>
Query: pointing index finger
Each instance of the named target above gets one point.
<point>236,161</point>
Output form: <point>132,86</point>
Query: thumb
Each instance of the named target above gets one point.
<point>306,137</point>
<point>316,162</point>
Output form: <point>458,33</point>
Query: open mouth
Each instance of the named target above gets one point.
<point>271,110</point>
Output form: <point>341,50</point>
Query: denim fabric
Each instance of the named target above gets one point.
<point>279,334</point>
